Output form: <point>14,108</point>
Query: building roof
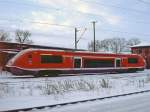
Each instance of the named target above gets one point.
<point>40,46</point>
<point>144,44</point>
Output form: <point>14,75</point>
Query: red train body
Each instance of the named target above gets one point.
<point>43,62</point>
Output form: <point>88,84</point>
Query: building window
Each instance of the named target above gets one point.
<point>89,63</point>
<point>146,51</point>
<point>132,60</point>
<point>51,59</point>
<point>140,51</point>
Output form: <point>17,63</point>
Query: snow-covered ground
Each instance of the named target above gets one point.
<point>18,93</point>
<point>133,103</point>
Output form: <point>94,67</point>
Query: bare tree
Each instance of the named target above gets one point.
<point>104,45</point>
<point>115,45</point>
<point>91,45</point>
<point>23,37</point>
<point>4,36</point>
<point>133,41</point>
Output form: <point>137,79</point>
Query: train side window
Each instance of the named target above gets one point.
<point>132,60</point>
<point>89,63</point>
<point>51,59</point>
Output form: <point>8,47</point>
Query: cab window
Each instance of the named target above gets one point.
<point>51,59</point>
<point>132,60</point>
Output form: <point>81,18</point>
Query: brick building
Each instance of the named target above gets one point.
<point>144,50</point>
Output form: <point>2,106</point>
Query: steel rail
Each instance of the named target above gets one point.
<point>75,102</point>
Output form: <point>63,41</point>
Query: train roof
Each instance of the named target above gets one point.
<point>80,53</point>
<point>84,52</point>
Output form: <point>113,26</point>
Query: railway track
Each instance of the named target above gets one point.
<point>97,74</point>
<point>76,102</point>
<point>47,76</point>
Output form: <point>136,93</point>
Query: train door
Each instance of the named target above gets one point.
<point>77,62</point>
<point>117,62</point>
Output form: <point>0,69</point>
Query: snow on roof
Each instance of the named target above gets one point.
<point>144,44</point>
<point>16,50</point>
<point>10,52</point>
<point>41,46</point>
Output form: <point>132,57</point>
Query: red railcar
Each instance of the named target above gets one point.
<point>43,62</point>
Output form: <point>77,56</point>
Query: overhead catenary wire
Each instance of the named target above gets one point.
<point>26,4</point>
<point>3,29</point>
<point>77,11</point>
<point>58,9</point>
<point>115,6</point>
<point>144,2</point>
<point>55,24</point>
<point>81,36</point>
<point>101,29</point>
<point>72,27</point>
<point>67,26</point>
<point>125,32</point>
<point>35,22</point>
<point>87,1</point>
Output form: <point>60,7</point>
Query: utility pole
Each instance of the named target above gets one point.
<point>94,46</point>
<point>76,38</point>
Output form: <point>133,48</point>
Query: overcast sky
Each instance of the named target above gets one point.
<point>115,18</point>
